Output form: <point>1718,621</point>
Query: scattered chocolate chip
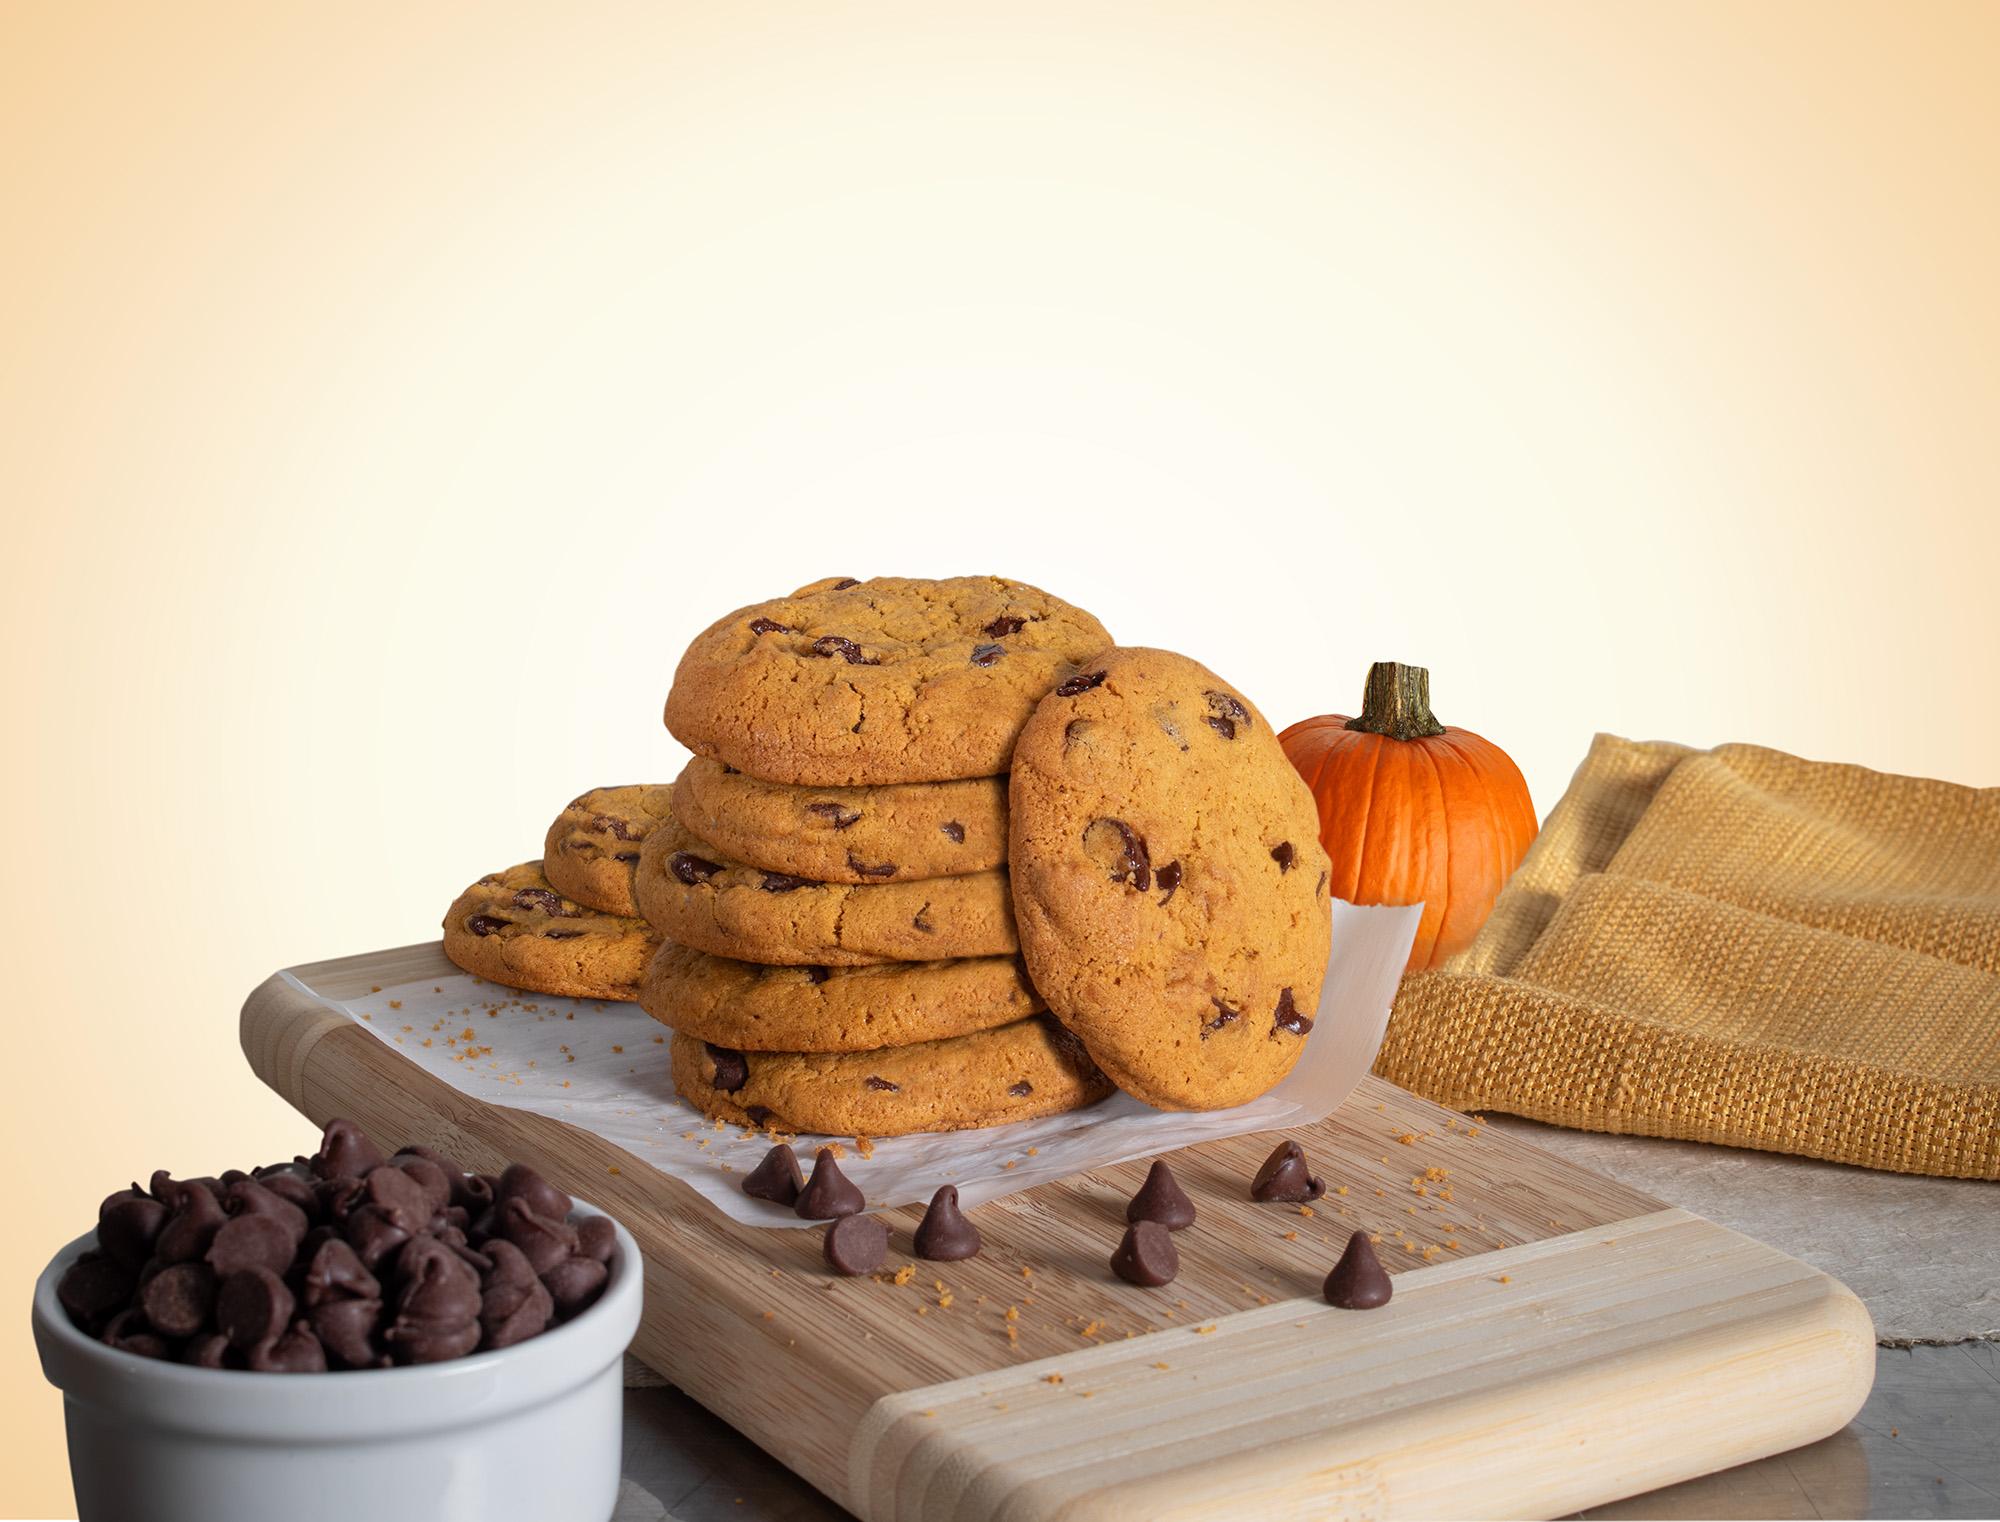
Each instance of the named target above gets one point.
<point>732,1070</point>
<point>834,814</point>
<point>1071,686</point>
<point>986,655</point>
<point>252,1307</point>
<point>862,869</point>
<point>777,1178</point>
<point>486,924</point>
<point>855,1245</point>
<point>1161,1199</point>
<point>829,645</point>
<point>345,1152</point>
<point>1358,1282</point>
<point>954,831</point>
<point>1021,1089</point>
<point>179,1299</point>
<point>1286,1016</point>
<point>691,869</point>
<point>1147,1255</point>
<point>783,882</point>
<point>944,1235</point>
<point>882,1085</point>
<point>1282,854</point>
<point>769,626</point>
<point>1285,1177</point>
<point>1006,624</point>
<point>829,1192</point>
<point>1167,879</point>
<point>93,1289</point>
<point>1225,713</point>
<point>1113,845</point>
<point>1224,1015</point>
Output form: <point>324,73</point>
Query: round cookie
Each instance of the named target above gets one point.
<point>847,834</point>
<point>895,679</point>
<point>511,927</point>
<point>592,849</point>
<point>1016,1072</point>
<point>1168,879</point>
<point>750,1007</point>
<point>695,895</point>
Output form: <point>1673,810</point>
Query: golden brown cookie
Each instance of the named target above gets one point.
<point>592,849</point>
<point>832,1009</point>
<point>511,927</point>
<point>847,834</point>
<point>695,895</point>
<point>1015,1072</point>
<point>1169,881</point>
<point>860,683</point>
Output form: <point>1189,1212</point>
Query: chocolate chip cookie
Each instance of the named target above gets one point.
<point>1168,878</point>
<point>1016,1072</point>
<point>699,897</point>
<point>513,928</point>
<point>592,849</point>
<point>847,834</point>
<point>860,683</point>
<point>832,1009</point>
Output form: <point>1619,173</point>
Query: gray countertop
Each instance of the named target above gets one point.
<point>1927,1444</point>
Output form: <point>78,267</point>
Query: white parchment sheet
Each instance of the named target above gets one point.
<point>603,1067</point>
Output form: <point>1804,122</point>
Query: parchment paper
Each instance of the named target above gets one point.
<point>603,1067</point>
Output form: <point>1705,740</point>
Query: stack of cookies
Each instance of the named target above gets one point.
<point>839,949</point>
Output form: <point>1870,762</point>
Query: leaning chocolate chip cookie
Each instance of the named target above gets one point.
<point>1016,1072</point>
<point>1168,880</point>
<point>832,1009</point>
<point>513,928</point>
<point>699,897</point>
<point>592,849</point>
<point>848,683</point>
<point>847,834</point>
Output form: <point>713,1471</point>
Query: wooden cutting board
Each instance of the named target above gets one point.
<point>1556,1339</point>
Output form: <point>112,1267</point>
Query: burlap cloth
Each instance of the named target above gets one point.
<point>1736,946</point>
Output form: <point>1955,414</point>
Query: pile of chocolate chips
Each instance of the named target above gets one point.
<point>345,1260</point>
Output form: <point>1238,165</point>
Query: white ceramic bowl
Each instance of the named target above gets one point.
<point>530,1433</point>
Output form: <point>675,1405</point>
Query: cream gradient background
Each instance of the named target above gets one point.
<point>388,393</point>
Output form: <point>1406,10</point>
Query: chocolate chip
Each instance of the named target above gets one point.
<point>252,1307</point>
<point>436,1183</point>
<point>251,1196</point>
<point>128,1224</point>
<point>335,1272</point>
<point>1161,1199</point>
<point>855,1245</point>
<point>758,1114</point>
<point>918,922</point>
<point>372,1235</point>
<point>575,1283</point>
<point>437,1285</point>
<point>783,882</point>
<point>945,1235</point>
<point>1225,713</point>
<point>691,869</point>
<point>1358,1282</point>
<point>514,1304</point>
<point>128,1333</point>
<point>1006,624</point>
<point>844,583</point>
<point>430,1341</point>
<point>732,1070</point>
<point>1167,879</point>
<point>93,1289</point>
<point>295,1189</point>
<point>297,1352</point>
<point>834,814</point>
<point>1147,1255</point>
<point>768,626</point>
<point>1285,1177</point>
<point>628,857</point>
<point>1071,686</point>
<point>520,1182</point>
<point>829,1192</point>
<point>402,1200</point>
<point>818,974</point>
<point>1021,1089</point>
<point>178,1300</point>
<point>544,1240</point>
<point>251,1241</point>
<point>616,828</point>
<point>1074,732</point>
<point>882,1085</point>
<point>777,1178</point>
<point>829,645</point>
<point>1224,1015</point>
<point>349,1331</point>
<point>1113,845</point>
<point>862,869</point>
<point>1281,853</point>
<point>486,924</point>
<point>345,1152</point>
<point>1321,889</point>
<point>986,655</point>
<point>596,1237</point>
<point>1286,1016</point>
<point>211,1350</point>
<point>561,935</point>
<point>954,831</point>
<point>542,899</point>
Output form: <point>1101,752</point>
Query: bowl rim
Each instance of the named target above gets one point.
<point>346,1404</point>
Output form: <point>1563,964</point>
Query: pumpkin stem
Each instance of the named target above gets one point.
<point>1397,703</point>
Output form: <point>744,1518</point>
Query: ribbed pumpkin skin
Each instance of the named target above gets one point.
<point>1441,819</point>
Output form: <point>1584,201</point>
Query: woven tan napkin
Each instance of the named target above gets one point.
<point>1736,946</point>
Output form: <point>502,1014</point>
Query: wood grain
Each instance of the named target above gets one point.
<point>1612,1306</point>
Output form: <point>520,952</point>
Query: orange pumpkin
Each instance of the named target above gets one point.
<point>1412,811</point>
